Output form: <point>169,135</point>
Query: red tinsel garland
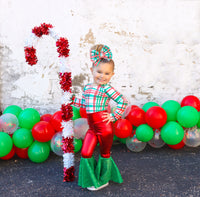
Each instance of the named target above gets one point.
<point>67,145</point>
<point>30,55</point>
<point>62,49</point>
<point>65,81</point>
<point>67,111</point>
<point>43,29</point>
<point>69,174</point>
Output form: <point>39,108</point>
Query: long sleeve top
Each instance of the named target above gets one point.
<point>96,98</point>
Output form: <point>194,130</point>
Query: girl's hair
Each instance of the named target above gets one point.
<point>98,48</point>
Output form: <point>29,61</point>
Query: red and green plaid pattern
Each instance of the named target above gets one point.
<point>105,53</point>
<point>96,98</point>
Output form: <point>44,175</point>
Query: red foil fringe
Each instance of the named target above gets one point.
<point>62,45</point>
<point>67,145</point>
<point>69,174</point>
<point>43,29</point>
<point>67,112</point>
<point>30,55</point>
<point>65,81</point>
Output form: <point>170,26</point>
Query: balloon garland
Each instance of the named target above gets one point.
<point>66,85</point>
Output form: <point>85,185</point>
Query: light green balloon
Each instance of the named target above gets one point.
<point>13,109</point>
<point>187,116</point>
<point>144,133</point>
<point>22,138</point>
<point>172,133</point>
<point>148,105</point>
<point>38,152</point>
<point>76,113</point>
<point>28,118</point>
<point>171,107</point>
<point>6,144</point>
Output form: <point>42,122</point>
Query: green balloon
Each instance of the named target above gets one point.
<point>172,133</point>
<point>148,105</point>
<point>6,144</point>
<point>187,116</point>
<point>122,140</point>
<point>171,107</point>
<point>38,152</point>
<point>77,145</point>
<point>76,113</point>
<point>28,118</point>
<point>13,109</point>
<point>144,133</point>
<point>22,138</point>
<point>198,124</point>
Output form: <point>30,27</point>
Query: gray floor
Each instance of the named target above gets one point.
<point>152,172</point>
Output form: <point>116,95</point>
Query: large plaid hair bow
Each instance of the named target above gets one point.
<point>105,53</point>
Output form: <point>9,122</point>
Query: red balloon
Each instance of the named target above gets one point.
<point>43,131</point>
<point>46,117</point>
<point>179,145</point>
<point>123,128</point>
<point>136,116</point>
<point>156,117</point>
<point>83,112</point>
<point>22,152</point>
<point>191,101</point>
<point>9,155</point>
<point>56,120</point>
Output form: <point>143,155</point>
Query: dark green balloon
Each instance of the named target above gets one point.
<point>198,124</point>
<point>187,116</point>
<point>122,140</point>
<point>144,133</point>
<point>6,144</point>
<point>22,138</point>
<point>13,109</point>
<point>115,138</point>
<point>149,105</point>
<point>38,152</point>
<point>28,118</point>
<point>77,145</point>
<point>76,113</point>
<point>171,107</point>
<point>172,133</point>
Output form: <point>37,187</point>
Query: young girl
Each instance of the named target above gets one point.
<point>95,99</point>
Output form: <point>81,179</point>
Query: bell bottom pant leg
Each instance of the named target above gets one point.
<point>102,133</point>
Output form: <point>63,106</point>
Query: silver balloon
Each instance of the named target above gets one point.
<point>156,141</point>
<point>80,128</point>
<point>192,136</point>
<point>56,143</point>
<point>8,123</point>
<point>127,111</point>
<point>133,144</point>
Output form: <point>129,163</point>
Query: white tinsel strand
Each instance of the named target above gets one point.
<point>66,98</point>
<point>68,130</point>
<point>31,40</point>
<point>53,34</point>
<point>64,65</point>
<point>68,160</point>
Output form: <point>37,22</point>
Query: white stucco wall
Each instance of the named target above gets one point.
<point>155,45</point>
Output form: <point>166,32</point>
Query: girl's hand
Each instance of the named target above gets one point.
<point>107,117</point>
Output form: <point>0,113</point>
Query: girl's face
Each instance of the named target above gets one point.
<point>102,73</point>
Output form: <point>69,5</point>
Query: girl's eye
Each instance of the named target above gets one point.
<point>107,73</point>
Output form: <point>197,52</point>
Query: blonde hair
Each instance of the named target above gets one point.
<point>98,48</point>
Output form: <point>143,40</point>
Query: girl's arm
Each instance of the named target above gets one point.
<point>119,99</point>
<point>79,102</point>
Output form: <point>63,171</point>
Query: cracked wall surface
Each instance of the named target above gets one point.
<point>155,45</point>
